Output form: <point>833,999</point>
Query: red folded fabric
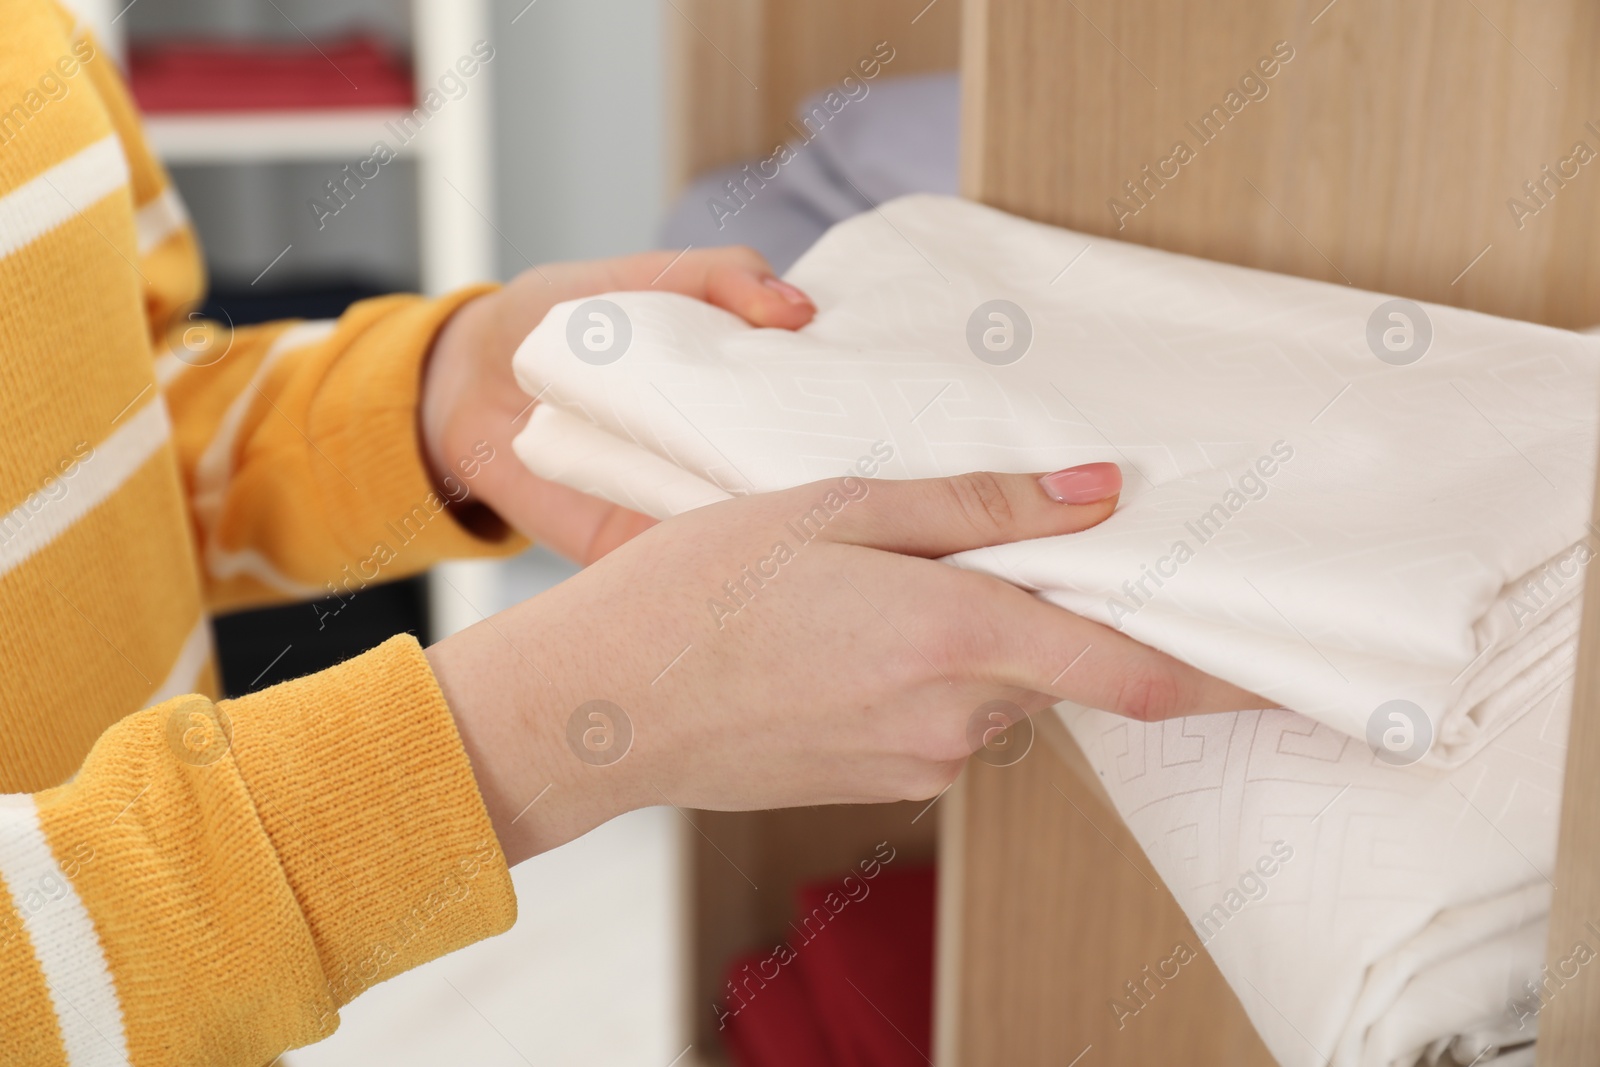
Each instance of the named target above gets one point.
<point>356,72</point>
<point>870,973</point>
<point>777,1026</point>
<point>854,989</point>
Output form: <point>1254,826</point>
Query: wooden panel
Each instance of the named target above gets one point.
<point>745,866</point>
<point>740,68</point>
<point>716,59</point>
<point>949,922</point>
<point>1048,911</point>
<point>1388,152</point>
<point>1439,150</point>
<point>1569,1024</point>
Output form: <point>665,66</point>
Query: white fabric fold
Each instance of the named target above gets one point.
<point>1301,517</point>
<point>1414,905</point>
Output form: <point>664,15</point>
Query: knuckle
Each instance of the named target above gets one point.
<point>744,256</point>
<point>1149,694</point>
<point>981,498</point>
<point>928,780</point>
<point>953,647</point>
<point>939,747</point>
<point>953,749</point>
<point>968,634</point>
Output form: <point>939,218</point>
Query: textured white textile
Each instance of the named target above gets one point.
<point>1326,528</point>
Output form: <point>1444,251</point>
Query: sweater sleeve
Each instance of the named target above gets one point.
<point>300,455</point>
<point>217,878</point>
<point>297,441</point>
<point>249,867</point>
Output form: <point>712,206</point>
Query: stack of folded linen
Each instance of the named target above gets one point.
<point>1371,512</point>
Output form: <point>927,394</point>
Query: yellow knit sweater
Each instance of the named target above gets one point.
<point>198,882</point>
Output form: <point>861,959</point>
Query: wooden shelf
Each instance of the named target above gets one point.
<point>257,136</point>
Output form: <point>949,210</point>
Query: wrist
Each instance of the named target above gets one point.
<point>448,373</point>
<point>449,381</point>
<point>513,720</point>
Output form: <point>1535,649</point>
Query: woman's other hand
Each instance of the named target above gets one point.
<point>470,397</point>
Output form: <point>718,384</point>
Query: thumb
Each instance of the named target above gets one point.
<point>758,297</point>
<point>937,516</point>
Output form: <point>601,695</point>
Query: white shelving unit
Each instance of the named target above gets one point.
<point>270,136</point>
<point>455,188</point>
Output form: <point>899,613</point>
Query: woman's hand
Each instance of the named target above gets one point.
<point>469,394</point>
<point>801,647</point>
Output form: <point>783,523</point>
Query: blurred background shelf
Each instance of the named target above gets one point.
<point>451,196</point>
<point>268,136</point>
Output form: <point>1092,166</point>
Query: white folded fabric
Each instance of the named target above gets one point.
<point>1414,903</point>
<point>1372,514</point>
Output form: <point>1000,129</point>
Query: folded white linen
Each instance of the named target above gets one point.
<point>1331,529</point>
<point>1324,528</point>
<point>1414,902</point>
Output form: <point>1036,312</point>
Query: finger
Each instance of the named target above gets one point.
<point>937,516</point>
<point>1046,649</point>
<point>736,279</point>
<point>758,297</point>
<point>614,529</point>
<point>578,526</point>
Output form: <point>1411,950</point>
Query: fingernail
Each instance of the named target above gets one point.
<point>1085,484</point>
<point>788,292</point>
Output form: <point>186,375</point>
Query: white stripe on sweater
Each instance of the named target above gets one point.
<point>185,673</point>
<point>94,19</point>
<point>64,940</point>
<point>47,200</point>
<point>213,473</point>
<point>167,367</point>
<point>51,509</point>
<point>159,219</point>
